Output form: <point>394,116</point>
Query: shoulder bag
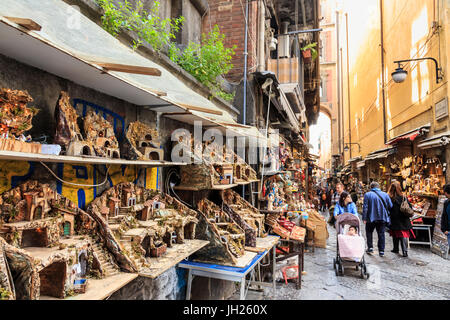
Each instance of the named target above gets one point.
<point>406,209</point>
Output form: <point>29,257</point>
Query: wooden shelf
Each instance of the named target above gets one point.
<point>246,182</point>
<point>99,289</point>
<point>433,196</point>
<point>189,188</point>
<point>23,156</point>
<point>173,256</point>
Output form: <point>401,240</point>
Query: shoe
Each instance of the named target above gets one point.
<point>405,254</point>
<point>381,254</point>
<point>395,251</point>
<point>370,250</point>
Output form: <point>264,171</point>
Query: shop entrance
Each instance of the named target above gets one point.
<point>34,238</point>
<point>52,279</point>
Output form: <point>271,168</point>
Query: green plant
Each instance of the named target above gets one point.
<point>314,52</point>
<point>149,27</point>
<point>206,61</point>
<point>5,294</point>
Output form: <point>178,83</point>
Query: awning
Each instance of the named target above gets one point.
<point>354,159</point>
<point>436,141</point>
<point>81,53</point>
<point>380,154</point>
<point>410,135</point>
<point>360,164</point>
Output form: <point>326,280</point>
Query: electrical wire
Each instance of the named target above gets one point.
<point>77,184</point>
<point>170,189</point>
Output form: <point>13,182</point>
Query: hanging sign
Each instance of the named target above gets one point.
<point>439,243</point>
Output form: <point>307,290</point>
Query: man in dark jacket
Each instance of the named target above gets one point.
<point>445,220</point>
<point>376,216</point>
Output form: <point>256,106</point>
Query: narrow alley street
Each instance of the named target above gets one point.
<point>423,276</point>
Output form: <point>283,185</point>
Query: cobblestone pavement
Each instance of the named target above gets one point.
<point>423,275</point>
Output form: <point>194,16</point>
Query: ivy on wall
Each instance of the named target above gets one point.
<point>206,61</point>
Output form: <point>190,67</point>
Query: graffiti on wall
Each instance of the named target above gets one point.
<point>14,173</point>
<point>89,177</point>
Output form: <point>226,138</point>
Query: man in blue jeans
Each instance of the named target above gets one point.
<point>376,216</point>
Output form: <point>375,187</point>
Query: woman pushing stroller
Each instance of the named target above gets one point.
<point>345,205</point>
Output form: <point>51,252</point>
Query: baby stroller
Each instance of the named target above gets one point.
<point>350,249</point>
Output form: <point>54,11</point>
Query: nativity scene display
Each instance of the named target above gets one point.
<point>144,222</point>
<point>15,120</point>
<point>48,246</point>
<point>142,143</point>
<point>98,138</point>
<point>214,166</point>
<point>226,238</point>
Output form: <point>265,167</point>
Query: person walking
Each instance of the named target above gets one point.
<point>345,205</point>
<point>376,216</point>
<point>334,200</point>
<point>445,220</point>
<point>323,200</point>
<point>400,228</point>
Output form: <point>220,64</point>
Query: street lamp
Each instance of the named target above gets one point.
<point>399,75</point>
<point>347,148</point>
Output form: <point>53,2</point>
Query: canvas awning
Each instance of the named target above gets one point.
<point>354,159</point>
<point>380,154</point>
<point>80,50</point>
<point>360,164</point>
<point>410,135</point>
<point>436,141</point>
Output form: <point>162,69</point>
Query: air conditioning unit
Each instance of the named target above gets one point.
<point>283,41</point>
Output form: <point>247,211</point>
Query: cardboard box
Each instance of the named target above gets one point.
<point>321,231</point>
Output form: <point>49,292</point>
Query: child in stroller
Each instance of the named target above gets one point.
<point>350,245</point>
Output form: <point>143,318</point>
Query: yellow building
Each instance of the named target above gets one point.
<point>377,111</point>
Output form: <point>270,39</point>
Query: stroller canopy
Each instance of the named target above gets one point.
<point>347,219</point>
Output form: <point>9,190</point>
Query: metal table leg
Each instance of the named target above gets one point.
<point>242,294</point>
<point>274,252</point>
<point>189,285</point>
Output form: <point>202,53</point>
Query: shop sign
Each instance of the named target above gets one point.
<point>439,243</point>
<point>441,109</point>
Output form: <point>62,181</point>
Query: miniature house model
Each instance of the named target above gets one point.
<point>142,143</point>
<point>143,221</point>
<point>68,133</point>
<point>227,239</point>
<point>15,119</point>
<point>43,234</point>
<point>244,214</point>
<point>100,133</point>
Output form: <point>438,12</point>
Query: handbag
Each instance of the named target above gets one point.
<point>405,208</point>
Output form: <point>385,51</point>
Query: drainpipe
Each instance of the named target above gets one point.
<point>261,45</point>
<point>348,91</point>
<point>244,118</point>
<point>383,85</point>
<point>338,71</point>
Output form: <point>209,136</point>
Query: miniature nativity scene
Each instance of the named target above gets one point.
<point>245,215</point>
<point>98,140</point>
<point>215,167</point>
<point>15,119</point>
<point>226,238</point>
<point>144,222</point>
<point>49,247</point>
<point>142,143</point>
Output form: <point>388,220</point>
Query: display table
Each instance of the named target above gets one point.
<point>234,274</point>
<point>426,227</point>
<point>296,248</point>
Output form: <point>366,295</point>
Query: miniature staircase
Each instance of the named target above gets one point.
<point>138,260</point>
<point>106,266</point>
